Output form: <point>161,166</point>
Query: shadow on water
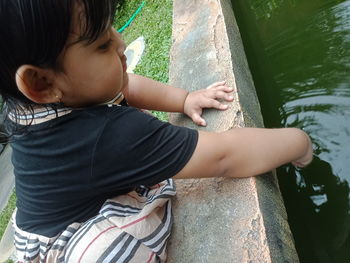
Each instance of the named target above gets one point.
<point>299,55</point>
<point>318,209</point>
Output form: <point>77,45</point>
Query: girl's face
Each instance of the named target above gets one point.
<point>94,73</point>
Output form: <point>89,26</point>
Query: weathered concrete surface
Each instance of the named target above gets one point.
<point>7,248</point>
<point>222,220</point>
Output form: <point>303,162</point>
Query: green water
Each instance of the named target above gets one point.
<point>299,55</point>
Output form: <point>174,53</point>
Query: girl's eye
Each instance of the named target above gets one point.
<point>105,45</point>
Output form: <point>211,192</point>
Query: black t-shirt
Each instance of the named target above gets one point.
<point>67,167</point>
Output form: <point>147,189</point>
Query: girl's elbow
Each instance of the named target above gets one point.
<point>229,167</point>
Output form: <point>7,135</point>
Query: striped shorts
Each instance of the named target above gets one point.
<point>129,228</point>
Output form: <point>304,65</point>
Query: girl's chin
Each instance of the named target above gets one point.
<point>125,80</point>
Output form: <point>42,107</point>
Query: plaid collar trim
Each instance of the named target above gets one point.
<point>42,114</point>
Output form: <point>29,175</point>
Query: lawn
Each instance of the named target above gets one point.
<point>154,23</point>
<point>5,215</point>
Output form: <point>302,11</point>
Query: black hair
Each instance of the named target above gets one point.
<point>35,32</point>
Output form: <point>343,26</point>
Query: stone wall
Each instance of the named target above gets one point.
<point>222,220</point>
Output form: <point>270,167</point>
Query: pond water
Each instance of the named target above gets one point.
<point>299,55</point>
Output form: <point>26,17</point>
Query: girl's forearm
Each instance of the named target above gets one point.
<point>146,93</point>
<point>256,151</point>
<point>244,152</point>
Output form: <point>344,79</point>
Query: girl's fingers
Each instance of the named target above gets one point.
<point>217,105</point>
<point>219,94</point>
<point>225,88</point>
<point>298,164</point>
<point>197,119</point>
<point>222,88</point>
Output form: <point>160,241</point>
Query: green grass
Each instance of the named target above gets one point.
<point>154,23</point>
<point>6,214</point>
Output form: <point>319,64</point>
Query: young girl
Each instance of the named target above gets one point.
<point>92,171</point>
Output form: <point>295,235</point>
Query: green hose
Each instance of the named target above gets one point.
<point>132,18</point>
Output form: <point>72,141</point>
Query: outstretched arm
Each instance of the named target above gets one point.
<point>239,152</point>
<point>146,93</point>
<point>244,152</point>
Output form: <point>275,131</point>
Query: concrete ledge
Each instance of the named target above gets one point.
<point>7,248</point>
<point>222,220</point>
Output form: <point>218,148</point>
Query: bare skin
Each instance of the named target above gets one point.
<point>240,152</point>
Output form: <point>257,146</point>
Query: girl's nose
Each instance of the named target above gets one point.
<point>121,46</point>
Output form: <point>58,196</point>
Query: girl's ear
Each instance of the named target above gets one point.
<point>37,84</point>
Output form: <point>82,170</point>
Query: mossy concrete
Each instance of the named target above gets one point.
<point>222,220</point>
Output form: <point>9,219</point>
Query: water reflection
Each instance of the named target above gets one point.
<point>316,88</point>
<point>321,212</point>
<point>327,119</point>
<point>299,55</point>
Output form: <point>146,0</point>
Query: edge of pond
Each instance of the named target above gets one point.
<point>227,220</point>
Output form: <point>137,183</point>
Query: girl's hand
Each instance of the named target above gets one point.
<point>196,101</point>
<point>305,159</point>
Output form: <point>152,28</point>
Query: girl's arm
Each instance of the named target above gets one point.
<point>239,152</point>
<point>244,152</point>
<point>146,93</point>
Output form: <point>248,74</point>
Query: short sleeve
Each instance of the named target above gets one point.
<point>135,149</point>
